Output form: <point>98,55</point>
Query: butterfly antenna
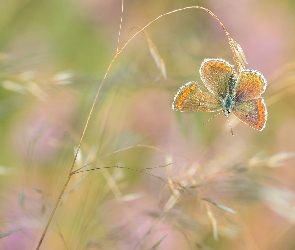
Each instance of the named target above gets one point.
<point>231,128</point>
<point>212,118</point>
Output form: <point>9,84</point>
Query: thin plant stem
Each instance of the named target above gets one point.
<point>120,28</point>
<point>120,150</point>
<point>133,169</point>
<point>53,211</point>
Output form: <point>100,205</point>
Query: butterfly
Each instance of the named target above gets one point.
<point>225,91</point>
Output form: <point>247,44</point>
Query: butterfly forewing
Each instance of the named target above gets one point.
<point>252,112</point>
<point>217,75</point>
<point>250,85</point>
<point>192,97</point>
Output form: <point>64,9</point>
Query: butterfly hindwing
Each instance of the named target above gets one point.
<point>252,112</point>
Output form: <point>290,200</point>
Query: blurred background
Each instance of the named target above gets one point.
<point>221,192</point>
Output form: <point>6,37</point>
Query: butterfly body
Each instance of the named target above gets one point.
<point>225,91</point>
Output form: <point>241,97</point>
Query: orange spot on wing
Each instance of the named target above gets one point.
<point>261,114</point>
<point>182,96</point>
<point>227,69</point>
<point>220,65</point>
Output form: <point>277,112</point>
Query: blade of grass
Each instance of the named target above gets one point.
<point>9,232</point>
<point>155,246</point>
